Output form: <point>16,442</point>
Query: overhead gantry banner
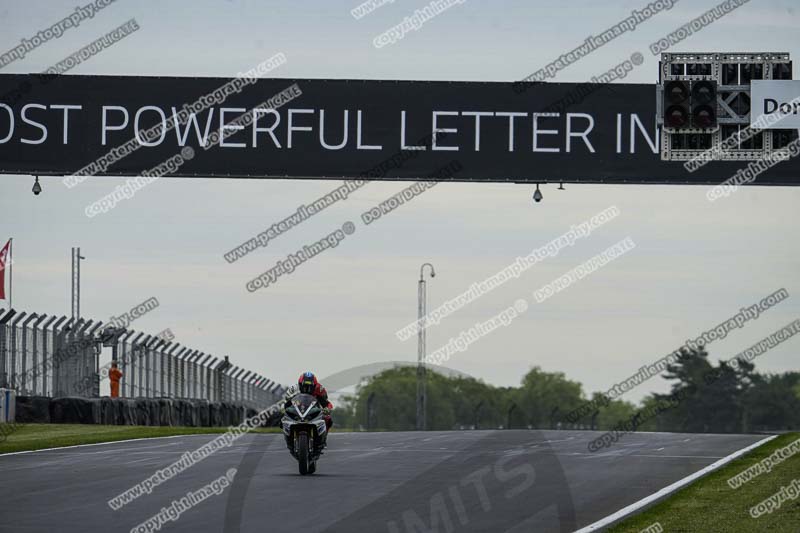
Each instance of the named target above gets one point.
<point>303,128</point>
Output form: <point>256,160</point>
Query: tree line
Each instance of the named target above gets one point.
<point>721,398</point>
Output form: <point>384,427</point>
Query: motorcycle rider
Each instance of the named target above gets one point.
<point>307,383</point>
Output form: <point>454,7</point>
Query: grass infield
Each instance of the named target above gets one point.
<point>711,505</point>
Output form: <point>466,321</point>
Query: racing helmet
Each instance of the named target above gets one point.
<point>307,383</point>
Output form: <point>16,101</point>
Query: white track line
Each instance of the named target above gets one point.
<point>106,443</point>
<point>634,507</point>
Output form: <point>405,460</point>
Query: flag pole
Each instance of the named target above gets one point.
<point>10,272</point>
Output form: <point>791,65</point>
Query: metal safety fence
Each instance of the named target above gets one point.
<point>53,356</point>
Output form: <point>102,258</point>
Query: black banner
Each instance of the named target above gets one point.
<point>96,125</point>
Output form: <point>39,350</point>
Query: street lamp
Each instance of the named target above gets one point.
<point>421,371</point>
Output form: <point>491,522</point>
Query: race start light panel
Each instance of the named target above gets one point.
<point>703,99</point>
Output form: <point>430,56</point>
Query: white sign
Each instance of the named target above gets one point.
<point>775,104</point>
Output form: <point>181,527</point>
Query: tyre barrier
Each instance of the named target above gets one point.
<point>130,411</point>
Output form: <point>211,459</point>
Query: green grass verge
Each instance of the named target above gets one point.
<point>711,505</point>
<point>40,436</point>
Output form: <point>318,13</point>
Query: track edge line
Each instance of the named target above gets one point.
<point>669,489</point>
<point>6,454</point>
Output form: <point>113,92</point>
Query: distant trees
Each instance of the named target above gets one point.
<point>773,402</point>
<point>712,397</point>
<point>726,398</point>
<point>722,398</point>
<point>545,396</point>
<point>388,401</point>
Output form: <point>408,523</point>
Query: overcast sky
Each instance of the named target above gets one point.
<point>695,263</point>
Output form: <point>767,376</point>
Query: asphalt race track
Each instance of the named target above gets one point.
<point>503,481</point>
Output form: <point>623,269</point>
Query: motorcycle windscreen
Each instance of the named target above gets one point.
<point>306,405</point>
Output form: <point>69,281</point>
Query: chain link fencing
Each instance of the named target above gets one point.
<point>53,356</point>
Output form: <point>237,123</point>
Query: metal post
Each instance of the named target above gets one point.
<point>15,376</point>
<point>147,368</point>
<point>161,349</point>
<point>222,386</point>
<point>138,354</point>
<point>73,273</point>
<point>153,371</point>
<point>198,382</point>
<point>210,381</point>
<point>553,416</point>
<point>210,360</point>
<point>182,374</point>
<point>510,410</point>
<point>240,386</point>
<point>246,379</point>
<point>187,374</point>
<point>53,343</point>
<point>76,282</point>
<point>421,356</point>
<point>176,372</point>
<point>3,383</point>
<point>38,341</point>
<point>196,375</point>
<point>194,371</point>
<point>190,374</point>
<point>135,371</point>
<point>172,390</point>
<point>125,383</point>
<point>10,273</point>
<point>61,346</point>
<point>37,370</point>
<point>234,393</point>
<point>4,329</point>
<point>421,370</point>
<point>477,412</point>
<point>96,348</point>
<point>23,387</point>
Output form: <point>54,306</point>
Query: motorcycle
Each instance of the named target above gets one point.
<point>305,432</point>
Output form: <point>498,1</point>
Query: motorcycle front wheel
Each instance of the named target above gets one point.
<point>303,458</point>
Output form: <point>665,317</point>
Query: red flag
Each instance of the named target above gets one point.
<point>3,260</point>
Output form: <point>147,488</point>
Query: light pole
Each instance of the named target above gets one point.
<point>76,282</point>
<point>421,371</point>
